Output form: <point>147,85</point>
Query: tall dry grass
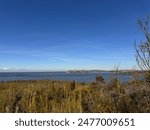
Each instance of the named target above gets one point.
<point>69,96</point>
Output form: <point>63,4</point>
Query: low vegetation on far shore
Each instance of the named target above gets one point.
<point>47,96</point>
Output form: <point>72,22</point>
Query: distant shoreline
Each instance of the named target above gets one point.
<point>69,71</point>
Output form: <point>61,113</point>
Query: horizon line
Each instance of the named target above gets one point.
<point>68,70</point>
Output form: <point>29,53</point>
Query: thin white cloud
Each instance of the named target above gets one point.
<point>5,68</point>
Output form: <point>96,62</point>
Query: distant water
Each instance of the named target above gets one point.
<point>81,77</point>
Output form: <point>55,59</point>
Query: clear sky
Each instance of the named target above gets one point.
<point>69,34</point>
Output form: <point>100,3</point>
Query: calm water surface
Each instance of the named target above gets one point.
<point>81,77</point>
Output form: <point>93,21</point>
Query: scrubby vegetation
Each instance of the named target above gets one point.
<point>69,96</point>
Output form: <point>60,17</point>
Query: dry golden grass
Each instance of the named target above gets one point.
<point>67,96</point>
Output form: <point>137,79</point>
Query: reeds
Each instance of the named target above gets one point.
<point>69,96</point>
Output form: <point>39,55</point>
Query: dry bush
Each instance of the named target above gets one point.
<point>69,96</point>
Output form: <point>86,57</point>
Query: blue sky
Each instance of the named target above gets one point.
<point>69,34</point>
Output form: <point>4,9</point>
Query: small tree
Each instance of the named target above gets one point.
<point>143,49</point>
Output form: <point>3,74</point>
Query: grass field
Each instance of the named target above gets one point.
<point>68,96</point>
